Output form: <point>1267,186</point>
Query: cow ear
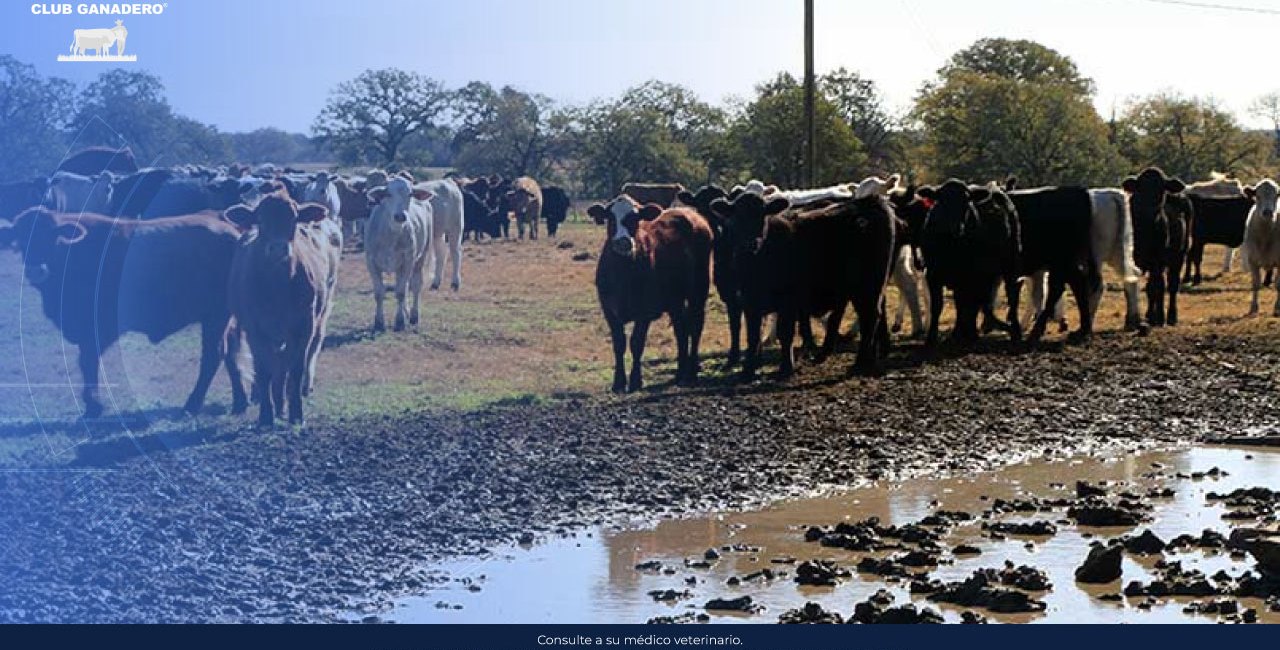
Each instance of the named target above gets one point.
<point>70,233</point>
<point>734,193</point>
<point>776,205</point>
<point>893,182</point>
<point>312,212</point>
<point>598,214</point>
<point>1130,184</point>
<point>376,194</point>
<point>650,212</point>
<point>240,215</point>
<point>686,198</point>
<point>1010,183</point>
<point>1174,185</point>
<point>722,208</point>
<point>927,192</point>
<point>1250,192</point>
<point>423,195</point>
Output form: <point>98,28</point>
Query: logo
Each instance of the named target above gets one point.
<point>99,42</point>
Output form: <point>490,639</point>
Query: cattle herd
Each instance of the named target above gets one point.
<point>252,255</point>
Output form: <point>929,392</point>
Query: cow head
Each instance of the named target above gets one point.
<point>490,222</point>
<point>38,234</point>
<point>876,186</point>
<point>746,217</point>
<point>276,218</point>
<point>622,217</point>
<point>1147,193</point>
<point>953,209</point>
<point>1264,196</point>
<point>392,201</point>
<point>702,201</point>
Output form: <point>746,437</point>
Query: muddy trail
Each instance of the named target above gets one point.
<point>348,516</point>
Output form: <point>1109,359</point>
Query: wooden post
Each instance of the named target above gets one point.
<point>811,131</point>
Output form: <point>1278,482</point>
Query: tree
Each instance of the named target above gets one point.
<point>33,112</point>
<point>508,132</point>
<point>372,115</point>
<point>1188,137</point>
<point>1005,107</point>
<point>769,134</point>
<point>858,102</point>
<point>1267,107</point>
<point>123,107</point>
<point>264,145</point>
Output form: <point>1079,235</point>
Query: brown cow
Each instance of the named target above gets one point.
<point>654,261</point>
<point>525,202</point>
<point>281,291</point>
<point>663,194</point>
<point>95,160</point>
<point>100,277</point>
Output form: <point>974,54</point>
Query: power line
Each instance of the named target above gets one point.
<point>1219,7</point>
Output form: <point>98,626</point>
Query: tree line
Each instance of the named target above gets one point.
<point>996,108</point>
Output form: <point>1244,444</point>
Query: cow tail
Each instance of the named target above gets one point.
<point>1127,264</point>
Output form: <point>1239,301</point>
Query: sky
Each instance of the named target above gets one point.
<point>244,64</point>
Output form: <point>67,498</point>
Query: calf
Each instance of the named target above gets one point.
<point>1262,239</point>
<point>654,261</point>
<point>73,193</point>
<point>1055,226</point>
<point>92,161</point>
<point>1162,223</point>
<point>969,241</point>
<point>811,264</point>
<point>448,224</point>
<point>281,288</point>
<point>555,208</point>
<point>525,202</point>
<point>1218,220</point>
<point>100,277</point>
<point>724,273</point>
<point>397,240</point>
<point>661,194</point>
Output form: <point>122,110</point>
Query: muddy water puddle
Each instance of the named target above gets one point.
<point>592,577</point>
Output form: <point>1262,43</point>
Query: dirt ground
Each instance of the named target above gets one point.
<point>492,423</point>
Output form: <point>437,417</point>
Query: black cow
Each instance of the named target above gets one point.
<point>92,161</point>
<point>1055,224</point>
<point>15,198</point>
<point>100,277</point>
<point>1162,222</point>
<point>131,194</point>
<point>555,207</point>
<point>723,272</point>
<point>810,264</point>
<point>1218,220</point>
<point>480,218</point>
<point>970,240</point>
<point>181,196</point>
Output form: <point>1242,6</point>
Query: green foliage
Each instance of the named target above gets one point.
<point>770,136</point>
<point>368,119</point>
<point>858,102</point>
<point>1188,137</point>
<point>1015,107</point>
<point>33,111</point>
<point>508,132</point>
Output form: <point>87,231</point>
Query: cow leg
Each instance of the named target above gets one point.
<point>1155,297</point>
<point>455,257</point>
<point>1266,281</point>
<point>618,336</point>
<point>533,227</point>
<point>639,334</point>
<point>1013,291</point>
<point>379,292</point>
<point>908,294</point>
<point>1189,272</point>
<point>1275,311</point>
<point>89,360</point>
<point>1132,306</point>
<point>231,359</point>
<point>279,371</point>
<point>1083,286</point>
<point>870,314</point>
<point>438,248</point>
<point>735,334</point>
<point>1256,276</point>
<point>212,340</point>
<point>786,330</point>
<point>697,320</point>
<point>1174,286</point>
<point>751,360</point>
<point>808,343</point>
<point>401,289</point>
<point>263,359</point>
<point>680,326</point>
<point>831,332</point>
<point>416,280</point>
<point>935,309</point>
<point>298,368</point>
<point>520,227</point>
<point>1227,258</point>
<point>1056,288</point>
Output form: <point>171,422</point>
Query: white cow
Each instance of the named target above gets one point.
<point>397,240</point>
<point>1112,243</point>
<point>1262,239</point>
<point>99,40</point>
<point>323,191</point>
<point>448,221</point>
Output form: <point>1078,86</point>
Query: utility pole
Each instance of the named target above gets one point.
<point>810,126</point>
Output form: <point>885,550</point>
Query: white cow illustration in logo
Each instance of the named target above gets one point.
<point>100,40</point>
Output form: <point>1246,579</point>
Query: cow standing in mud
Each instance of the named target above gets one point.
<point>654,261</point>
<point>1162,222</point>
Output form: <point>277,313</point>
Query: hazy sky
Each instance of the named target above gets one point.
<point>241,64</point>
